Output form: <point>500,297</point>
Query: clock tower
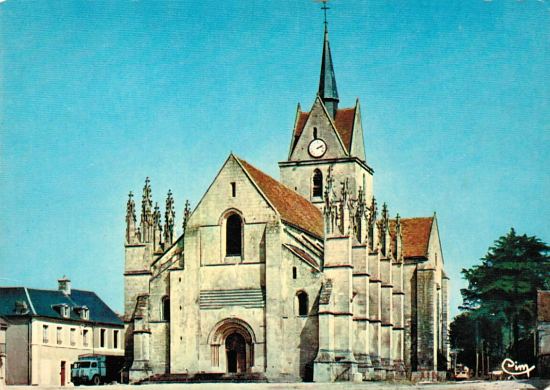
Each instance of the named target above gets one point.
<point>327,139</point>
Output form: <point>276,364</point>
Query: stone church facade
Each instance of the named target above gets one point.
<point>305,278</point>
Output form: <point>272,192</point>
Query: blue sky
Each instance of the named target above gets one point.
<point>95,96</point>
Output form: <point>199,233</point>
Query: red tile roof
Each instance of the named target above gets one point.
<point>416,235</point>
<point>344,125</point>
<point>543,306</point>
<point>292,207</point>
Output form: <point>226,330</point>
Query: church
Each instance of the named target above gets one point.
<point>305,278</point>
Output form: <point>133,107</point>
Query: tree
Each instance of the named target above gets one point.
<point>502,292</point>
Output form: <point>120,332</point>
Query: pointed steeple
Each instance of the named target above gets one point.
<point>327,82</point>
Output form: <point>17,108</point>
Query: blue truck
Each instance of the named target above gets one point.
<point>97,369</point>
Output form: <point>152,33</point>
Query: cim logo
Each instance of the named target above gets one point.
<point>513,368</point>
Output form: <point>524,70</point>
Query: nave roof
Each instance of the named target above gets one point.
<point>415,235</point>
<point>292,207</point>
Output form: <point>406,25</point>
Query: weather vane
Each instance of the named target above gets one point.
<point>325,7</point>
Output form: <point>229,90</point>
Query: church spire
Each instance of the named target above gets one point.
<point>327,82</point>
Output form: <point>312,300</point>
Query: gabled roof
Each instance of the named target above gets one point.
<point>345,117</point>
<point>415,235</point>
<point>292,207</point>
<point>543,306</point>
<point>43,303</point>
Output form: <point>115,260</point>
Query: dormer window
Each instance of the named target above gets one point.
<point>21,307</point>
<point>63,309</point>
<point>83,312</point>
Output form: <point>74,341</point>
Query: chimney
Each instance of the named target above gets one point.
<point>64,285</point>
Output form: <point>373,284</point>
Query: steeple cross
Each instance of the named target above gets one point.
<point>324,8</point>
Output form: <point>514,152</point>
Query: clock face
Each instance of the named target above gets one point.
<point>317,148</point>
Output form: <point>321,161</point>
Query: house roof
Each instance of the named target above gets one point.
<point>415,235</point>
<point>43,303</point>
<point>343,121</point>
<point>293,208</point>
<point>543,306</point>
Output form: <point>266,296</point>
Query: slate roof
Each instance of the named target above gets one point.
<point>293,208</point>
<point>344,125</point>
<point>42,303</point>
<point>327,81</point>
<point>416,235</point>
<point>543,306</point>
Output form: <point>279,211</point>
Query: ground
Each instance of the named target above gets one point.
<point>494,385</point>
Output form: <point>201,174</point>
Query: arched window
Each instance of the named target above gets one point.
<point>233,235</point>
<point>317,183</point>
<point>302,303</point>
<point>166,309</point>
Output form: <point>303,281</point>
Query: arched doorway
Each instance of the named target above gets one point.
<point>235,349</point>
<point>232,346</point>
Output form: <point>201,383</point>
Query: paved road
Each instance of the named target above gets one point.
<point>473,385</point>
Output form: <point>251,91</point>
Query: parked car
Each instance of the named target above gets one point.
<point>96,369</point>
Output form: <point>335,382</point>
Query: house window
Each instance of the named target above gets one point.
<point>85,337</point>
<point>102,338</point>
<point>294,273</point>
<point>317,183</point>
<point>73,336</point>
<point>84,313</point>
<point>233,235</point>
<point>302,303</point>
<point>66,311</point>
<point>115,339</point>
<point>45,334</point>
<point>166,309</point>
<point>233,189</point>
<point>59,335</point>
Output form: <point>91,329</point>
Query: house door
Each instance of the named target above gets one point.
<point>62,373</point>
<point>235,348</point>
